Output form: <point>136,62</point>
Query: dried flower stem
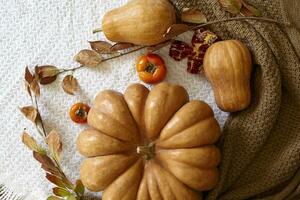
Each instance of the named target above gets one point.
<point>104,60</point>
<point>238,19</point>
<point>97,30</point>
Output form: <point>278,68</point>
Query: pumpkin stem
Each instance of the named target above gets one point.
<point>147,151</point>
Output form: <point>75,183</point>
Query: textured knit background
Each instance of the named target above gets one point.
<point>261,146</point>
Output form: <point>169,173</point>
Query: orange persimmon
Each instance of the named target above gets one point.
<point>151,68</point>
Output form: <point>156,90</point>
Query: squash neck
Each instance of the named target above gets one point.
<point>146,151</point>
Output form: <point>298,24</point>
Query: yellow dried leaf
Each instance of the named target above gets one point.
<point>30,142</point>
<point>70,84</point>
<point>88,58</point>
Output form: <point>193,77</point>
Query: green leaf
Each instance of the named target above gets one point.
<point>61,192</point>
<point>71,197</point>
<point>79,188</point>
<point>249,10</point>
<point>53,198</point>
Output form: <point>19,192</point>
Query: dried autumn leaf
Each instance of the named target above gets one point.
<point>79,188</point>
<point>88,58</point>
<point>70,84</point>
<point>53,198</point>
<point>158,46</point>
<point>232,6</point>
<point>31,143</point>
<point>193,16</point>
<point>55,145</point>
<point>68,183</point>
<point>61,192</point>
<point>28,76</point>
<point>175,29</point>
<point>55,180</point>
<point>30,113</point>
<point>28,88</point>
<point>46,74</point>
<point>35,88</point>
<point>121,46</point>
<point>249,10</point>
<point>101,47</point>
<point>47,164</point>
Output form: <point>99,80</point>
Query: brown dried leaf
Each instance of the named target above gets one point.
<point>193,16</point>
<point>249,10</point>
<point>175,29</point>
<point>55,145</point>
<point>61,192</point>
<point>30,113</point>
<point>121,46</point>
<point>55,180</point>
<point>101,47</point>
<point>79,188</point>
<point>47,164</point>
<point>46,74</point>
<point>232,6</point>
<point>28,89</point>
<point>28,76</point>
<point>35,88</point>
<point>158,46</point>
<point>70,84</point>
<point>88,58</point>
<point>46,71</point>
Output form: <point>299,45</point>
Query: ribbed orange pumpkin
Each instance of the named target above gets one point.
<point>149,145</point>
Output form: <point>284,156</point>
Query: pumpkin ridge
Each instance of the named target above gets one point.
<point>185,131</point>
<point>122,125</point>
<point>157,161</point>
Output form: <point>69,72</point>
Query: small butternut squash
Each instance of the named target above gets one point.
<point>227,65</point>
<point>141,22</point>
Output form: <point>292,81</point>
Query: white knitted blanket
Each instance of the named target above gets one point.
<point>50,32</point>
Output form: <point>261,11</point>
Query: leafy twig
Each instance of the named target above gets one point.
<point>50,157</point>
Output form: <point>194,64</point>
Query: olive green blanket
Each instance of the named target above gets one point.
<point>261,145</point>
